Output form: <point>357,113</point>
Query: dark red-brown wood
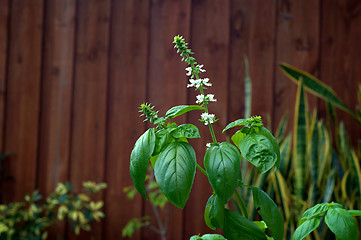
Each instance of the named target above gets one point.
<point>56,98</point>
<point>298,30</point>
<point>126,91</point>
<point>4,18</point>
<point>88,126</point>
<point>340,55</point>
<point>22,97</point>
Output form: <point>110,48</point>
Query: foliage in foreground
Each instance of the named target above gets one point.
<point>174,162</point>
<point>158,202</point>
<point>30,219</point>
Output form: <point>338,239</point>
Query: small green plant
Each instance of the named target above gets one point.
<point>158,201</point>
<point>174,162</point>
<point>31,218</point>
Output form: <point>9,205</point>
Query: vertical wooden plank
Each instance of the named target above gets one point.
<point>298,29</point>
<point>210,42</point>
<point>254,37</point>
<point>22,96</point>
<point>89,99</point>
<point>262,55</point>
<point>127,90</point>
<point>4,17</point>
<point>53,163</point>
<point>239,42</point>
<point>340,52</point>
<point>167,81</point>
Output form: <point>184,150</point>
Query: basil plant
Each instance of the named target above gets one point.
<point>174,162</point>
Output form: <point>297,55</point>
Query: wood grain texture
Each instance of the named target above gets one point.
<point>239,45</point>
<point>211,47</point>
<point>22,97</point>
<point>166,79</point>
<point>340,54</point>
<point>261,55</point>
<point>126,91</point>
<point>4,19</point>
<point>298,30</point>
<point>90,98</point>
<point>56,95</point>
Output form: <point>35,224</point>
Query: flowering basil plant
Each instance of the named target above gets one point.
<point>174,162</point>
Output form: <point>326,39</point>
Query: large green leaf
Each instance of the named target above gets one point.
<point>139,160</point>
<point>163,138</point>
<point>237,227</point>
<point>269,212</point>
<point>306,228</point>
<point>187,131</point>
<point>258,150</point>
<point>174,171</point>
<point>341,223</point>
<point>239,122</point>
<point>181,109</point>
<point>223,166</point>
<point>299,142</point>
<point>214,212</point>
<point>314,85</point>
<point>313,212</point>
<point>238,136</point>
<point>265,132</point>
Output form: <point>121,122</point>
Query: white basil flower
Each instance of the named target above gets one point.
<point>194,83</point>
<point>208,118</point>
<point>200,99</point>
<point>200,68</point>
<point>210,98</point>
<point>189,69</point>
<point>205,82</point>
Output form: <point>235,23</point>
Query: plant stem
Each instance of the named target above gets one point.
<point>206,110</point>
<point>241,203</point>
<point>201,169</point>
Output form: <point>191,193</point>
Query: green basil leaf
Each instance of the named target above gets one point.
<point>215,212</point>
<point>315,210</point>
<point>265,132</point>
<point>223,166</point>
<point>174,171</point>
<point>163,138</point>
<point>262,225</point>
<point>206,217</point>
<point>187,131</point>
<point>258,150</point>
<point>239,122</point>
<point>306,228</point>
<point>237,227</point>
<point>179,110</point>
<point>237,137</point>
<point>208,237</point>
<point>139,160</point>
<point>269,212</point>
<point>341,223</point>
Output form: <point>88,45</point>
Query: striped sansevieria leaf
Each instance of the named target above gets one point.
<point>299,142</point>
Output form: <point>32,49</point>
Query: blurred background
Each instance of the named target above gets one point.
<point>73,73</point>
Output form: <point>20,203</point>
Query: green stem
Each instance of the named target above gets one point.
<point>201,169</point>
<point>206,110</point>
<point>241,203</point>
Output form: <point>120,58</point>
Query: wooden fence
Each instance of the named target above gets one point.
<point>73,72</point>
